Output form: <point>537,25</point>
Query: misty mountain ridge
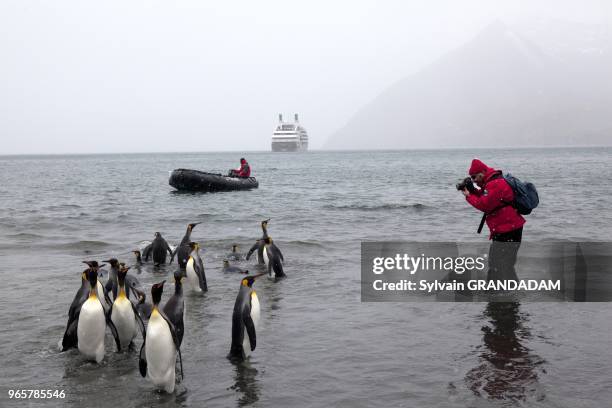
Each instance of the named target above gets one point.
<point>499,89</point>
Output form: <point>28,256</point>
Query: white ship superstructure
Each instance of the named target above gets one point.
<point>289,137</point>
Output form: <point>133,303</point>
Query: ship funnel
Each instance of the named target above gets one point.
<point>296,118</point>
<point>280,117</point>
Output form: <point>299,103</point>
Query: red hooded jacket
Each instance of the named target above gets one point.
<point>493,198</point>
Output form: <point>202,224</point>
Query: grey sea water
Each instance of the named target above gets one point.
<point>318,345</point>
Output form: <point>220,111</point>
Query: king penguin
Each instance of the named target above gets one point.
<point>183,250</point>
<point>92,323</point>
<point>234,255</point>
<point>273,259</point>
<point>195,269</point>
<point>158,351</point>
<point>175,307</point>
<point>260,245</point>
<point>158,249</point>
<point>245,320</point>
<point>124,315</point>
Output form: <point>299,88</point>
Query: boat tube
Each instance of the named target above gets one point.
<point>194,180</point>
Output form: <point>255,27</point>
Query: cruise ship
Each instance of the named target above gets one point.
<point>289,137</point>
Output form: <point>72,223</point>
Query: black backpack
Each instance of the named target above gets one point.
<point>525,195</point>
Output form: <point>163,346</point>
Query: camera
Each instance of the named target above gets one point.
<point>466,183</point>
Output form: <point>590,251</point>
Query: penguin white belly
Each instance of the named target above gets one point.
<point>91,330</point>
<point>124,320</point>
<point>266,259</point>
<point>161,353</point>
<point>192,276</point>
<point>255,315</point>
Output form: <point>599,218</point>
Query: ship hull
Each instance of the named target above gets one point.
<point>287,147</point>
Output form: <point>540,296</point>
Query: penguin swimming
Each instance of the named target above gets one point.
<point>229,268</point>
<point>245,320</point>
<point>92,322</point>
<point>158,351</point>
<point>124,315</point>
<point>272,257</point>
<point>183,250</point>
<point>234,255</point>
<point>158,249</point>
<point>195,269</point>
<point>138,257</point>
<point>175,307</point>
<point>260,244</point>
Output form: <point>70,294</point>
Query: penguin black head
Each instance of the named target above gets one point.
<point>121,275</point>
<point>194,246</point>
<point>249,280</point>
<point>156,292</point>
<point>92,264</point>
<point>268,240</point>
<point>178,277</point>
<point>192,225</point>
<point>264,223</point>
<point>226,263</point>
<point>157,235</point>
<point>136,252</point>
<point>92,277</point>
<point>112,261</point>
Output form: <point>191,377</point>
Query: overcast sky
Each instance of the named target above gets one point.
<point>144,76</point>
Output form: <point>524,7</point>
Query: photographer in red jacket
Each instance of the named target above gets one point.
<point>243,171</point>
<point>494,197</point>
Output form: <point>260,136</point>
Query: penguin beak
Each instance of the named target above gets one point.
<point>258,275</point>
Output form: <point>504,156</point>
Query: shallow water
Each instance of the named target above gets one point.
<point>318,345</point>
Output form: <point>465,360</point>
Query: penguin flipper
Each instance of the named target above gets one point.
<point>202,276</point>
<point>146,253</point>
<point>139,321</point>
<point>71,339</point>
<point>142,360</point>
<point>181,363</point>
<point>280,254</point>
<point>113,330</point>
<point>253,248</point>
<point>177,344</point>
<point>250,327</point>
<point>278,268</point>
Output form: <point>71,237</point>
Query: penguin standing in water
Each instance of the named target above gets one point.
<point>158,249</point>
<point>70,334</point>
<point>273,259</point>
<point>183,250</point>
<point>92,322</point>
<point>124,315</point>
<point>195,269</point>
<point>233,269</point>
<point>234,255</point>
<point>245,320</point>
<point>260,245</point>
<point>158,351</point>
<point>175,307</point>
